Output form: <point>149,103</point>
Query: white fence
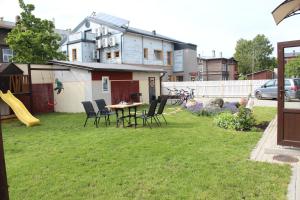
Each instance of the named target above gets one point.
<point>237,88</point>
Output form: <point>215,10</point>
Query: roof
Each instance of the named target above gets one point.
<point>286,9</point>
<point>265,70</point>
<point>151,34</point>
<point>7,24</point>
<point>216,58</point>
<point>123,26</point>
<point>94,66</point>
<point>10,68</point>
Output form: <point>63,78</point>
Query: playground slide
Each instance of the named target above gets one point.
<point>20,110</point>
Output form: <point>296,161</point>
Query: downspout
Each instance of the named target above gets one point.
<point>143,56</point>
<point>122,40</point>
<point>160,83</point>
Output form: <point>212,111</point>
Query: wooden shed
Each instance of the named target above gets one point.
<point>112,82</point>
<point>261,75</point>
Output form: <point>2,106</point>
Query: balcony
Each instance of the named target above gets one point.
<point>81,36</point>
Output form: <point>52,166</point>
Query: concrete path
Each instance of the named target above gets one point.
<point>267,148</point>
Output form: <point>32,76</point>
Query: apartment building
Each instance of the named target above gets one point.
<point>216,68</point>
<point>108,39</point>
<point>5,52</point>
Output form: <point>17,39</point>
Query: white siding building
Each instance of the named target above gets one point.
<point>108,39</point>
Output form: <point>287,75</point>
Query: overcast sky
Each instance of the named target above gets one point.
<point>212,25</point>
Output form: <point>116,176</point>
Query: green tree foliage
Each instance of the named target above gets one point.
<point>33,40</point>
<point>255,52</point>
<point>292,68</point>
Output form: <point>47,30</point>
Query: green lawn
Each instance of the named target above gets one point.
<point>188,159</point>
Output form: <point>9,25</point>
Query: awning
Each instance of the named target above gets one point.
<point>287,9</point>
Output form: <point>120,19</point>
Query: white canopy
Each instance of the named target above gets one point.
<point>286,9</point>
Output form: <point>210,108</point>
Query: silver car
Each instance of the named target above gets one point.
<point>269,90</point>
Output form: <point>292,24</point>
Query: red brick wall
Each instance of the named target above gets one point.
<point>112,75</point>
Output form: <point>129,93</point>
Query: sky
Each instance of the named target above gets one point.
<point>211,25</point>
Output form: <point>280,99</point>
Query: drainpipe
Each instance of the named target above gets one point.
<point>122,40</point>
<point>143,50</point>
<point>160,81</point>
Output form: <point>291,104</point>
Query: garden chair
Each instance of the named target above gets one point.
<point>163,102</point>
<point>150,114</point>
<point>90,112</point>
<point>103,111</point>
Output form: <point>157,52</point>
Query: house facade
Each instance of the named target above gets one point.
<point>107,39</point>
<point>5,52</point>
<point>214,69</point>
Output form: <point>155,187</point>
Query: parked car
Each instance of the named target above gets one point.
<point>269,90</point>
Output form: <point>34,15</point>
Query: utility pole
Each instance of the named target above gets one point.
<point>3,179</point>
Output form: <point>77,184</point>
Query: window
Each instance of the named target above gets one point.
<point>7,55</point>
<point>270,83</point>
<point>145,53</point>
<point>74,54</point>
<point>108,55</point>
<point>105,84</point>
<point>117,54</point>
<point>224,67</point>
<point>158,54</point>
<point>179,78</point>
<point>287,83</point>
<point>169,58</point>
<point>193,78</point>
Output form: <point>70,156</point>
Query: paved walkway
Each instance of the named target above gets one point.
<point>267,148</point>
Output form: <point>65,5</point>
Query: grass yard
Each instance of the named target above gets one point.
<point>189,159</point>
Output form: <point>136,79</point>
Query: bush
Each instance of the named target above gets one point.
<point>225,120</point>
<point>244,119</point>
<point>241,121</point>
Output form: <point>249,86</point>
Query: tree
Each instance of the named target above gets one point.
<point>292,68</point>
<point>256,53</point>
<point>33,40</point>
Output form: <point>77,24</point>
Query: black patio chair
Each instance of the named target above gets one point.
<point>90,112</point>
<point>103,111</point>
<point>150,114</point>
<point>160,110</point>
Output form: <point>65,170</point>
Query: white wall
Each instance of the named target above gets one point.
<point>142,77</point>
<point>98,94</point>
<point>77,85</point>
<point>38,77</point>
<point>238,88</point>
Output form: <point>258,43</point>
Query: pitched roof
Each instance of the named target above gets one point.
<point>94,66</point>
<point>7,24</point>
<point>123,26</point>
<point>10,68</point>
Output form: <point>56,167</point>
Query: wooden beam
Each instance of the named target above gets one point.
<point>30,88</point>
<point>3,178</point>
<point>50,69</point>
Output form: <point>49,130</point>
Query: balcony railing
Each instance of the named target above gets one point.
<point>82,36</point>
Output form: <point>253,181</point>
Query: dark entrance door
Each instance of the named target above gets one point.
<point>151,83</point>
<point>288,94</point>
<point>121,90</point>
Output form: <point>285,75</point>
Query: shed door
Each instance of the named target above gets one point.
<point>289,93</point>
<point>121,90</point>
<point>151,84</point>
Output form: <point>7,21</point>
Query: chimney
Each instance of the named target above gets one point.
<point>154,32</point>
<point>213,53</point>
<point>17,18</point>
<point>1,18</point>
<point>221,54</point>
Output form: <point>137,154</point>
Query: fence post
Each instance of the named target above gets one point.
<point>3,178</point>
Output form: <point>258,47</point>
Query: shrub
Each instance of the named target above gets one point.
<point>225,120</point>
<point>241,121</point>
<point>244,119</point>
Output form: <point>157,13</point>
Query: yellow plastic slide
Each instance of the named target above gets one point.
<point>20,110</point>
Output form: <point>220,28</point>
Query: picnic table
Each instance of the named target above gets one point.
<point>119,109</point>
